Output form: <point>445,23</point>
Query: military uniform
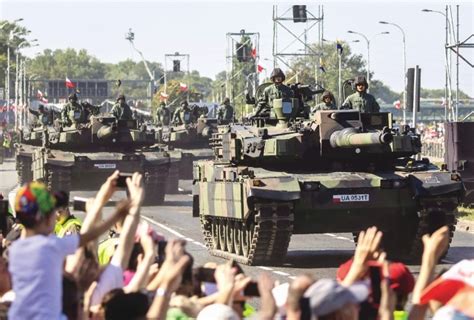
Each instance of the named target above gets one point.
<point>225,111</point>
<point>274,91</point>
<point>325,105</point>
<point>163,115</point>
<point>42,117</point>
<point>182,115</point>
<point>73,112</point>
<point>361,100</point>
<point>121,110</point>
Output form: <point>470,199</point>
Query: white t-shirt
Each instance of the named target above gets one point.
<point>111,278</point>
<point>36,267</point>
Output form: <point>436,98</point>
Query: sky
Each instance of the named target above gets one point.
<point>199,29</point>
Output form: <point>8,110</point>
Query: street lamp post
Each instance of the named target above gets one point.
<point>368,50</point>
<point>18,116</point>
<point>404,67</point>
<point>447,96</point>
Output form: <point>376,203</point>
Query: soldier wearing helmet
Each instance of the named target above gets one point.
<point>327,103</point>
<point>73,112</point>
<point>163,115</point>
<point>275,91</point>
<point>182,115</point>
<point>225,111</point>
<point>42,116</point>
<point>121,110</point>
<point>361,100</point>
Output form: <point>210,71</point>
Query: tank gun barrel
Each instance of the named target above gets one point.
<point>106,131</point>
<point>350,137</point>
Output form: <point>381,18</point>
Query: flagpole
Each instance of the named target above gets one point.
<point>339,76</point>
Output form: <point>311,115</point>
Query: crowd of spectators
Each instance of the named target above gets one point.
<point>139,275</point>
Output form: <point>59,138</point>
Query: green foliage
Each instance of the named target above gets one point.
<point>439,93</point>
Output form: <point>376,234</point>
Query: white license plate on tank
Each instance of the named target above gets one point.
<point>105,165</point>
<point>337,198</point>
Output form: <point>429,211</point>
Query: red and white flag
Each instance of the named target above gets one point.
<point>163,96</point>
<point>396,104</point>
<point>41,97</point>
<point>183,86</point>
<point>69,83</point>
<point>260,68</point>
<point>254,53</point>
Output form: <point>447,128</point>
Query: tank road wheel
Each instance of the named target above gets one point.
<point>404,240</point>
<point>58,178</point>
<point>23,167</point>
<point>221,230</point>
<point>237,238</point>
<point>229,236</point>
<point>215,234</point>
<point>246,235</point>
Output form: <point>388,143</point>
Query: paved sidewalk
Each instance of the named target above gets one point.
<point>8,176</point>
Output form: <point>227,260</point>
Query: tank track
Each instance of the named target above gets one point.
<point>173,179</point>
<point>432,215</point>
<point>59,178</point>
<point>263,239</point>
<point>23,167</point>
<point>155,185</point>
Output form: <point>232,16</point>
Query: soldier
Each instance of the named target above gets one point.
<point>43,118</point>
<point>163,115</point>
<point>73,112</point>
<point>182,115</point>
<point>326,104</point>
<point>225,111</point>
<point>361,100</point>
<point>121,110</point>
<point>275,91</point>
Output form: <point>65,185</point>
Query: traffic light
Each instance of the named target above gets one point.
<point>299,13</point>
<point>176,65</point>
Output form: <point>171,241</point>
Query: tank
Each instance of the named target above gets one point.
<point>191,141</point>
<point>340,171</point>
<point>80,158</point>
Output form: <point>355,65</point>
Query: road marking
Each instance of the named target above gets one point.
<point>330,234</point>
<point>265,268</point>
<point>343,238</point>
<point>292,277</point>
<point>189,239</point>
<point>176,233</point>
<point>281,273</point>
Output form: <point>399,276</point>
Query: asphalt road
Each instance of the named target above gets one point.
<point>316,254</point>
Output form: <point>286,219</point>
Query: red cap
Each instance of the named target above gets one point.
<point>401,279</point>
<point>460,276</point>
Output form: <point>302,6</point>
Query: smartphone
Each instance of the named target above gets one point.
<point>251,290</point>
<point>121,180</point>
<point>79,204</point>
<point>202,274</point>
<point>375,273</point>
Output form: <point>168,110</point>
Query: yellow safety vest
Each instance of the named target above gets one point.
<point>106,250</point>
<point>60,229</point>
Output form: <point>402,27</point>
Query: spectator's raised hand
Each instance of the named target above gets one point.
<point>388,298</point>
<point>225,279</point>
<point>135,188</point>
<point>367,249</point>
<point>108,188</point>
<point>436,244</point>
<point>268,304</point>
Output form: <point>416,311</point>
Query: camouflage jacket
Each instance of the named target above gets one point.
<point>323,106</point>
<point>364,102</point>
<point>163,116</point>
<point>43,117</point>
<point>72,113</point>
<point>182,116</point>
<point>272,92</point>
<point>225,112</point>
<point>122,111</point>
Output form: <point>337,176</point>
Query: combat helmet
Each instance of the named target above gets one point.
<point>121,96</point>
<point>72,96</point>
<point>277,73</point>
<point>327,94</point>
<point>226,100</point>
<point>361,80</point>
